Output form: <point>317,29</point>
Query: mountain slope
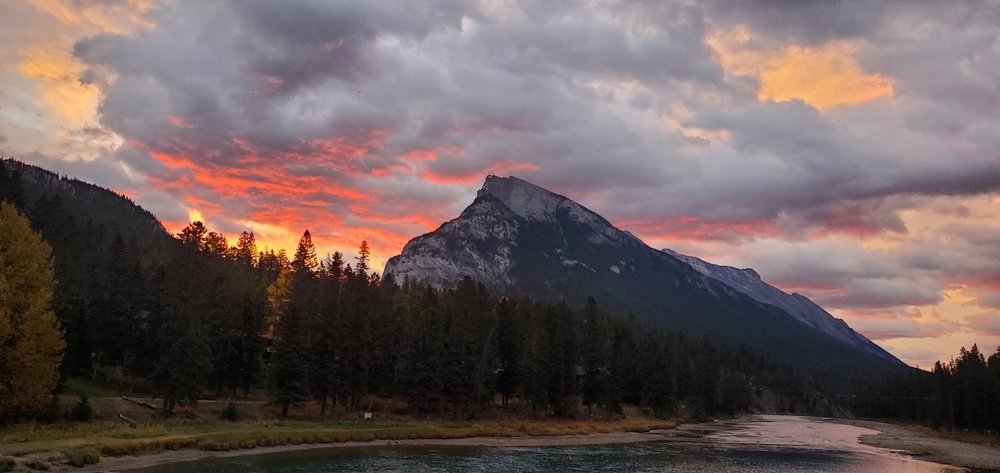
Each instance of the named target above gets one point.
<point>748,282</point>
<point>520,239</point>
<point>87,203</point>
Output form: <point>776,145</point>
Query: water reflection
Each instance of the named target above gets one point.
<point>644,457</point>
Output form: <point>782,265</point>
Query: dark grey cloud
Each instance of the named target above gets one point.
<point>384,118</point>
<point>809,21</point>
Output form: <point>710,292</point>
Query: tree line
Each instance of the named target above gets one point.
<point>197,315</point>
<point>963,393</point>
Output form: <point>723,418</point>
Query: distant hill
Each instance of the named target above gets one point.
<point>520,239</point>
<point>87,202</point>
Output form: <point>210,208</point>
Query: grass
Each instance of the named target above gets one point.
<point>966,436</point>
<point>84,442</point>
<point>82,456</point>
<point>78,386</point>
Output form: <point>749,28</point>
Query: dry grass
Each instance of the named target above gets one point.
<point>966,436</point>
<point>85,443</point>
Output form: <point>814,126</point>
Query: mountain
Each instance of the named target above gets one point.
<point>520,239</point>
<point>87,203</point>
<point>748,282</point>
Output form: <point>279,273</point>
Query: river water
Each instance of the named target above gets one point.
<point>766,444</point>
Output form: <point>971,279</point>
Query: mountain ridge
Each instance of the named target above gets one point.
<point>749,282</point>
<point>520,239</point>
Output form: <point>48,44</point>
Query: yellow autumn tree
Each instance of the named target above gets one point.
<point>279,294</point>
<point>31,344</point>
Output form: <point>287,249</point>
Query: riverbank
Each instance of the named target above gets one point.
<point>131,463</point>
<point>765,432</point>
<point>101,446</point>
<point>975,456</point>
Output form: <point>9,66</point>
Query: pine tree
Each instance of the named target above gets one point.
<point>31,344</point>
<point>595,358</point>
<point>184,362</point>
<point>215,244</point>
<point>333,266</point>
<point>245,250</point>
<point>293,355</point>
<point>423,355</point>
<point>288,370</point>
<point>10,186</point>
<point>508,353</point>
<point>305,262</point>
<point>364,255</point>
<point>184,359</point>
<point>193,235</point>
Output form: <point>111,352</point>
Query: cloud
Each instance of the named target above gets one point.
<point>884,329</point>
<point>823,76</point>
<point>845,149</point>
<point>986,323</point>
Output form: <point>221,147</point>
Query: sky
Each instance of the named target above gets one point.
<point>846,150</point>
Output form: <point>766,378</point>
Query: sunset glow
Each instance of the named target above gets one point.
<point>857,165</point>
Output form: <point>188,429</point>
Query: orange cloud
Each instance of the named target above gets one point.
<point>824,77</point>
<point>59,88</point>
<point>179,122</point>
<point>114,17</point>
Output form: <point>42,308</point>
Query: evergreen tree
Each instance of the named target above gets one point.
<point>291,363</point>
<point>245,250</point>
<point>508,353</point>
<point>215,244</point>
<point>193,235</point>
<point>561,369</point>
<point>10,186</point>
<point>333,266</point>
<point>305,263</point>
<point>364,255</point>
<point>31,344</point>
<point>424,353</point>
<point>288,370</point>
<point>595,358</point>
<point>184,361</point>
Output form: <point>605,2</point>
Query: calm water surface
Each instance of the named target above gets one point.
<point>642,457</point>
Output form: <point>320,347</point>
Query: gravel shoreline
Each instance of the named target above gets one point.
<point>978,458</point>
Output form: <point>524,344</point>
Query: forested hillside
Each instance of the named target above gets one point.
<point>194,316</point>
<point>963,393</point>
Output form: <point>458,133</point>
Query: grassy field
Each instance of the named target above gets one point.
<point>76,387</point>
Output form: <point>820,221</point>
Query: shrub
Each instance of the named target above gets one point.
<point>6,464</point>
<point>82,457</point>
<point>37,465</point>
<point>82,412</point>
<point>50,413</point>
<point>230,413</point>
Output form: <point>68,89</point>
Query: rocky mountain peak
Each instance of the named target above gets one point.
<point>519,239</point>
<point>522,197</point>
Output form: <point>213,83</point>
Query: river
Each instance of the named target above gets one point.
<point>763,444</point>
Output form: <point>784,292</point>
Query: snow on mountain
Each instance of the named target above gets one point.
<point>520,239</point>
<point>748,282</point>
